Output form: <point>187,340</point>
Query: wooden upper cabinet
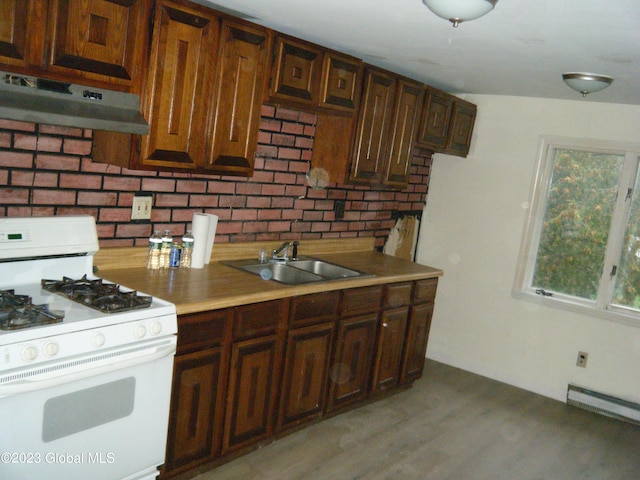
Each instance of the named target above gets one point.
<point>434,123</point>
<point>372,131</point>
<point>241,77</point>
<point>101,40</point>
<point>179,86</point>
<point>463,118</point>
<point>406,114</point>
<point>311,77</point>
<point>295,75</point>
<point>341,82</point>
<point>22,27</point>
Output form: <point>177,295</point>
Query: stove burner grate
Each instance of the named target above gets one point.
<point>105,297</point>
<point>17,311</point>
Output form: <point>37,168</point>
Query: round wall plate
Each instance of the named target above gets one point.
<point>318,178</point>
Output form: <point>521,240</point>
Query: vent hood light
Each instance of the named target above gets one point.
<point>37,100</point>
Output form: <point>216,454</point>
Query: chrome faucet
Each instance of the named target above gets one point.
<point>282,252</point>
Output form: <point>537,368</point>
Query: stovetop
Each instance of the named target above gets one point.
<point>18,311</point>
<point>95,293</point>
<point>77,316</point>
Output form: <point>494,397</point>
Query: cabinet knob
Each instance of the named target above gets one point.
<point>385,324</point>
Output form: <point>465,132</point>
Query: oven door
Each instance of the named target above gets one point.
<point>96,417</point>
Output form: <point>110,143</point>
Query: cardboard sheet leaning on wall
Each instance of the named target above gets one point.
<point>403,238</point>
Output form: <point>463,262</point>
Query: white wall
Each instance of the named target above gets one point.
<point>472,227</point>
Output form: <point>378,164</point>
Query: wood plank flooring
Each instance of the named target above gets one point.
<point>451,425</point>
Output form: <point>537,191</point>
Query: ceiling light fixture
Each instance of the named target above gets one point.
<point>586,83</point>
<point>458,11</point>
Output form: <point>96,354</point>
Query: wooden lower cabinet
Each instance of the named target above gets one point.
<point>196,401</point>
<point>244,375</point>
<point>199,390</point>
<point>424,294</point>
<point>305,374</point>
<point>390,346</point>
<point>351,367</point>
<point>416,342</point>
<point>252,392</point>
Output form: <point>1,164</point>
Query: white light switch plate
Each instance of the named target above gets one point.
<point>141,208</point>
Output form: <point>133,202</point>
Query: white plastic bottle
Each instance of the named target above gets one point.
<point>165,249</point>
<point>187,250</point>
<point>155,243</point>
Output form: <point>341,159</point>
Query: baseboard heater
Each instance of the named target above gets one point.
<point>603,404</point>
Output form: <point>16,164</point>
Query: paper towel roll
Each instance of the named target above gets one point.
<point>203,227</point>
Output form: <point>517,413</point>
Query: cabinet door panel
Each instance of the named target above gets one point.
<point>252,392</point>
<point>99,36</point>
<point>405,121</point>
<point>305,374</point>
<point>196,406</point>
<point>416,342</point>
<point>179,87</point>
<point>295,72</point>
<point>372,132</point>
<point>351,366</point>
<point>241,77</point>
<point>463,118</point>
<point>22,28</point>
<point>341,82</point>
<point>434,124</point>
<point>390,344</point>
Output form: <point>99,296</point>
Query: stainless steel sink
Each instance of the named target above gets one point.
<point>296,272</point>
<point>328,271</point>
<point>281,273</point>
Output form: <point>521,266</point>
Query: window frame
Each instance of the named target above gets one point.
<point>602,307</point>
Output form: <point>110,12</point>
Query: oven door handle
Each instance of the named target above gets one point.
<point>64,376</point>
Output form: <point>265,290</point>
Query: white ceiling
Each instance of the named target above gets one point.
<point>520,48</point>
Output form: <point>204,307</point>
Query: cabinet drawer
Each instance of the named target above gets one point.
<point>397,295</point>
<point>312,309</point>
<point>361,300</point>
<point>259,319</point>
<point>200,331</point>
<point>425,290</point>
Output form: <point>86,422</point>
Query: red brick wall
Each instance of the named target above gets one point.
<point>48,170</point>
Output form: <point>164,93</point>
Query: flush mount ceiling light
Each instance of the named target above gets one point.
<point>586,82</point>
<point>458,11</point>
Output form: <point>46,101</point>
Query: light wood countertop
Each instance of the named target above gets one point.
<point>219,286</point>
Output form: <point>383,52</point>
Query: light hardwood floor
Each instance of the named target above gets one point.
<point>451,425</point>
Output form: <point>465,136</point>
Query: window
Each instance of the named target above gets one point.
<point>581,244</point>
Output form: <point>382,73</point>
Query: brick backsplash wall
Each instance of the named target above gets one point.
<point>46,170</point>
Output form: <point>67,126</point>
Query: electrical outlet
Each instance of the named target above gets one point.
<point>338,208</point>
<point>141,208</point>
<point>582,359</point>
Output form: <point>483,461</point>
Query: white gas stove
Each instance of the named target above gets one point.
<point>62,350</point>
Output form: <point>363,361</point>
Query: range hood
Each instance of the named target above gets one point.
<point>37,100</point>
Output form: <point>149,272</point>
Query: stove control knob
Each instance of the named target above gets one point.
<point>98,340</point>
<point>29,353</point>
<point>156,328</point>
<point>51,349</point>
<point>140,331</point>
